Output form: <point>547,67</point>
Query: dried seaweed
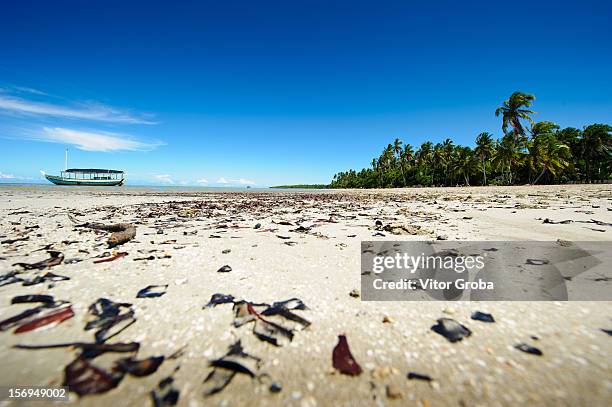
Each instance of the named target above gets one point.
<point>218,298</point>
<point>54,259</point>
<point>483,317</point>
<point>452,330</point>
<point>419,376</point>
<point>38,317</point>
<point>48,276</point>
<point>152,291</point>
<point>139,368</point>
<point>165,394</point>
<point>343,360</point>
<point>21,299</point>
<point>532,350</point>
<point>225,368</point>
<point>111,318</point>
<point>82,377</point>
<point>10,278</point>
<point>57,316</point>
<point>88,348</point>
<point>112,258</point>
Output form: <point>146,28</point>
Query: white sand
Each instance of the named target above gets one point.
<point>482,370</point>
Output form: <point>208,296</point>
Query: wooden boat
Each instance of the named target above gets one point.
<point>87,176</point>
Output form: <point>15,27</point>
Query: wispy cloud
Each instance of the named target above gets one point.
<point>243,181</point>
<point>84,111</point>
<point>202,181</point>
<point>4,176</point>
<point>238,181</point>
<point>91,141</point>
<point>165,178</point>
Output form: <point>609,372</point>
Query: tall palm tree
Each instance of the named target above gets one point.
<point>437,160</point>
<point>484,149</point>
<point>408,157</point>
<point>397,149</point>
<point>375,169</point>
<point>514,110</point>
<point>424,157</point>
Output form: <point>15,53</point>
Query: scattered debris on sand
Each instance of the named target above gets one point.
<point>343,360</point>
<point>452,330</point>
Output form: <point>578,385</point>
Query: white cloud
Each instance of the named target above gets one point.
<point>86,111</point>
<point>90,141</point>
<point>202,181</point>
<point>6,176</point>
<point>222,181</point>
<point>243,181</point>
<point>166,178</point>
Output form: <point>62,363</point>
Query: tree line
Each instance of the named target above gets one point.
<point>529,152</point>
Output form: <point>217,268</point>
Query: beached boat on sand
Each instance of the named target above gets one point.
<point>87,176</point>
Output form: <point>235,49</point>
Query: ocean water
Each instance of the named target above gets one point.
<point>145,188</point>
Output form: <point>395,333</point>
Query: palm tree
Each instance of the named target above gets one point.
<point>506,156</point>
<point>464,163</point>
<point>397,149</point>
<point>408,156</point>
<point>514,110</point>
<point>484,149</point>
<point>448,147</point>
<point>375,168</point>
<point>597,148</point>
<point>424,156</point>
<point>546,152</point>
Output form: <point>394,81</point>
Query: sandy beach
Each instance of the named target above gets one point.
<point>183,238</point>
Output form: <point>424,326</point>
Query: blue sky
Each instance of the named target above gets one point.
<point>269,93</point>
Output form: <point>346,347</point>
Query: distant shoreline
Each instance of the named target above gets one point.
<point>302,186</point>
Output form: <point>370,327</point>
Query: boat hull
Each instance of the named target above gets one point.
<point>85,182</point>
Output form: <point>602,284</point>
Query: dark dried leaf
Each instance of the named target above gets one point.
<point>21,299</point>
<point>15,320</point>
<point>218,298</point>
<point>419,376</point>
<point>112,258</point>
<point>89,348</point>
<point>343,360</point>
<point>238,361</point>
<point>139,368</point>
<point>10,278</point>
<point>532,350</point>
<point>83,378</point>
<point>165,394</point>
<point>54,259</point>
<point>273,333</point>
<point>483,316</point>
<point>451,329</point>
<point>217,380</point>
<point>111,318</point>
<point>152,291</point>
<point>57,316</point>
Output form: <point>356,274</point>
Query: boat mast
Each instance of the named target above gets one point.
<point>66,161</point>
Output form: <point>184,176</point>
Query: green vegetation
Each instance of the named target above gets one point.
<point>528,152</point>
<point>303,186</point>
